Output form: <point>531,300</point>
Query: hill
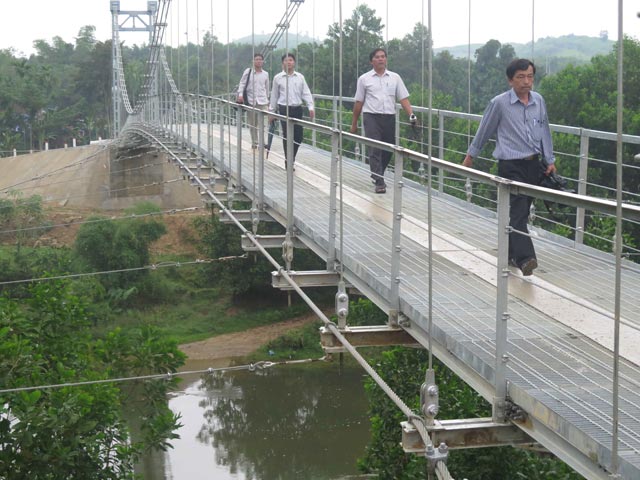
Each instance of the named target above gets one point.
<point>261,39</point>
<point>566,49</point>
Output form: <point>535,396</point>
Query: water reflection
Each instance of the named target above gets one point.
<point>293,422</point>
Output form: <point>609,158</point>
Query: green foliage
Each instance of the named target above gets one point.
<point>601,234</point>
<point>20,217</point>
<point>365,312</point>
<point>295,344</point>
<point>241,275</point>
<point>120,244</point>
<point>403,370</point>
<point>76,431</point>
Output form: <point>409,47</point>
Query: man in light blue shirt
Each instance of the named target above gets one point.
<point>518,120</point>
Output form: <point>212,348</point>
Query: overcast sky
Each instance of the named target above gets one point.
<point>510,21</point>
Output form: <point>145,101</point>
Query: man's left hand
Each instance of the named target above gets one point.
<point>550,169</point>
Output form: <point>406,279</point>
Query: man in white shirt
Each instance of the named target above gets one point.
<point>254,83</point>
<point>376,94</point>
<point>288,92</point>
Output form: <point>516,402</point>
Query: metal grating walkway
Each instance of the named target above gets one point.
<point>558,372</point>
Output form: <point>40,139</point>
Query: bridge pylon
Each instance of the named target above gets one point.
<point>126,21</point>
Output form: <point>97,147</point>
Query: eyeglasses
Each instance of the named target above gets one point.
<point>522,76</point>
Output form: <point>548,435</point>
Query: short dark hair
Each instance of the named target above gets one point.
<point>258,55</point>
<point>373,53</point>
<point>519,64</point>
<point>288,55</point>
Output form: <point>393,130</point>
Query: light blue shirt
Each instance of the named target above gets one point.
<point>520,130</point>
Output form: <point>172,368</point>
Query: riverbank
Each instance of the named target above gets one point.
<point>241,344</point>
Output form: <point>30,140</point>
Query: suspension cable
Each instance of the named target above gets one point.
<point>153,266</point>
<point>341,179</point>
<point>429,181</point>
<point>251,367</point>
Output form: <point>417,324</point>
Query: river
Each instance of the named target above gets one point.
<point>302,422</point>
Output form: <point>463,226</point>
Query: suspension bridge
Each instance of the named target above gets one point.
<point>555,353</point>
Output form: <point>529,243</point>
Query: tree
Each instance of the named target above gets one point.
<point>489,77</point>
<point>361,33</point>
<point>76,431</point>
<point>119,244</point>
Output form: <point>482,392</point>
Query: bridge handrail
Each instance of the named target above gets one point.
<point>630,211</point>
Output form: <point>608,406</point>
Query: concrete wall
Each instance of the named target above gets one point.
<point>97,177</point>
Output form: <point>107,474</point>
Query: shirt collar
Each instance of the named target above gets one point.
<point>374,74</point>
<point>513,98</point>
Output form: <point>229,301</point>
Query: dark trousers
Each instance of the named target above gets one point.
<point>526,171</point>
<point>381,127</point>
<point>294,112</point>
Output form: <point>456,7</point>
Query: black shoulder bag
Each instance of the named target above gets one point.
<point>244,92</point>
<point>554,182</point>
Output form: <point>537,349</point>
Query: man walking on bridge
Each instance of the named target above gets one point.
<point>253,90</point>
<point>376,94</point>
<point>289,91</point>
<point>518,120</point>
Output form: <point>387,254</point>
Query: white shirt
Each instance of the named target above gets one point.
<point>297,91</point>
<point>379,93</point>
<point>258,81</point>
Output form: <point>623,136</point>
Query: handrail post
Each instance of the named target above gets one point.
<point>333,200</point>
<point>208,106</point>
<point>189,120</point>
<point>440,150</point>
<point>396,236</point>
<point>183,120</point>
<point>239,113</point>
<point>502,297</point>
<point>582,185</point>
<point>221,118</point>
<point>290,141</point>
<point>199,114</point>
<point>397,134</point>
<point>261,142</point>
<point>288,243</point>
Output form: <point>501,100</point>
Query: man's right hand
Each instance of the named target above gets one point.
<point>468,161</point>
<point>353,129</point>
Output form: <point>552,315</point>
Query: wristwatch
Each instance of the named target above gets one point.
<point>412,118</point>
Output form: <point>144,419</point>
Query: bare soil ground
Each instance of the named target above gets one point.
<point>240,344</point>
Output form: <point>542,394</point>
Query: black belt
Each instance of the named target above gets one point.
<point>532,157</point>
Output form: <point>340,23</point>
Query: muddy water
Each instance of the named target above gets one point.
<point>286,422</point>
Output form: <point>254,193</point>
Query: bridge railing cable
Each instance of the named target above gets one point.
<point>449,170</point>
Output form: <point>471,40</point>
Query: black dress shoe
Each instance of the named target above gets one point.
<point>528,266</point>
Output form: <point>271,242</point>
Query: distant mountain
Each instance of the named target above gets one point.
<point>261,39</point>
<point>570,48</point>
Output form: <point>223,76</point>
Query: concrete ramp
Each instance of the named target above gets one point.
<point>97,177</point>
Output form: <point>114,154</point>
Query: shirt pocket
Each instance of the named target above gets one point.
<point>390,90</point>
<point>537,129</point>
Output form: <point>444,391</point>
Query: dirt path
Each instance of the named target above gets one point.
<point>240,344</point>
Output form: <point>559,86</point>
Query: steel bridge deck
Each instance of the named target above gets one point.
<point>559,372</point>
